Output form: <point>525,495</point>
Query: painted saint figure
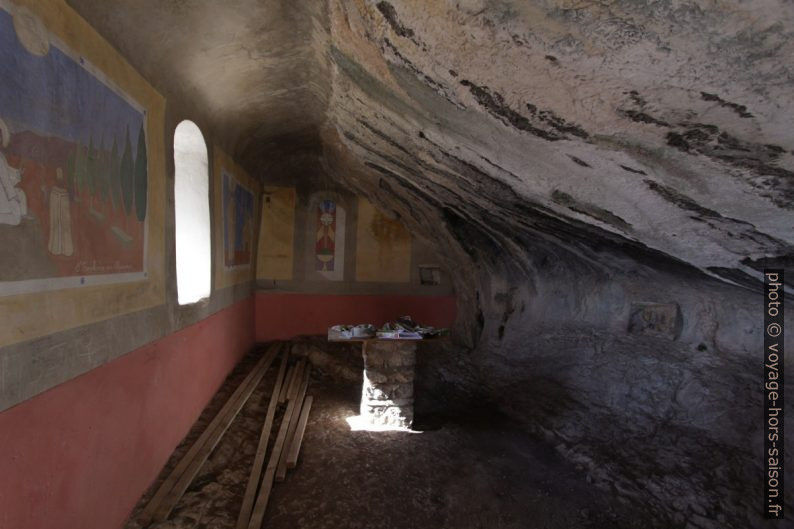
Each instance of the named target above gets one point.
<point>13,202</point>
<point>326,235</point>
<point>60,220</point>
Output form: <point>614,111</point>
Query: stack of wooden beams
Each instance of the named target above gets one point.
<point>286,446</point>
<point>290,388</point>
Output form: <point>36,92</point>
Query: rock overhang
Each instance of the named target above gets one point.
<point>654,125</point>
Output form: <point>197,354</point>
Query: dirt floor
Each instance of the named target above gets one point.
<point>465,471</point>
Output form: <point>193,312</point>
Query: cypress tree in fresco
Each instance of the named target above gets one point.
<point>70,181</point>
<point>127,176</point>
<point>102,171</point>
<point>141,163</point>
<point>114,175</point>
<point>80,168</point>
<point>91,168</point>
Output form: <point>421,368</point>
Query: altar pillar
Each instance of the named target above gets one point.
<point>387,396</point>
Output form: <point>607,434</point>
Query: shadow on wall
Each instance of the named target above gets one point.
<point>281,316</point>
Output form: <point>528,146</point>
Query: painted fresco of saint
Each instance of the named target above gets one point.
<point>13,202</point>
<point>74,174</point>
<point>60,220</point>
<point>326,235</point>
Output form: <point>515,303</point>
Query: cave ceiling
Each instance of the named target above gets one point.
<point>663,126</point>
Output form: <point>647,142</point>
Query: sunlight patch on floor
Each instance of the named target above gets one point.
<point>358,423</point>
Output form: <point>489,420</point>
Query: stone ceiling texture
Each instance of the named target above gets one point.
<point>665,124</point>
<point>570,160</point>
<point>256,71</point>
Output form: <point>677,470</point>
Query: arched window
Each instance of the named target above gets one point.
<point>192,214</point>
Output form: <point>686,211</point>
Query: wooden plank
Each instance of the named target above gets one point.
<point>180,486</point>
<point>297,440</point>
<point>259,459</point>
<point>168,484</point>
<point>281,471</point>
<point>297,382</point>
<point>285,388</point>
<point>272,465</point>
<point>293,387</point>
<point>230,411</point>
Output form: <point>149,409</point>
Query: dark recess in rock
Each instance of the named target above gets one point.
<point>475,169</point>
<point>676,140</point>
<point>656,319</point>
<point>739,277</point>
<point>558,123</point>
<point>564,199</point>
<point>578,161</point>
<point>775,148</point>
<point>383,184</point>
<point>784,262</point>
<point>744,230</point>
<point>551,59</point>
<point>420,74</point>
<point>681,200</point>
<point>390,14</point>
<point>495,104</point>
<point>506,299</point>
<point>480,316</point>
<point>490,162</point>
<point>642,117</point>
<point>466,233</point>
<point>383,136</point>
<point>709,140</point>
<point>636,98</point>
<point>741,110</point>
<point>632,170</point>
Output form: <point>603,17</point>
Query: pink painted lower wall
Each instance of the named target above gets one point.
<point>281,316</point>
<point>80,455</point>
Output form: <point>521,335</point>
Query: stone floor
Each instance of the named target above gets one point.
<point>463,472</point>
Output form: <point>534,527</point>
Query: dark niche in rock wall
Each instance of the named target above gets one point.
<point>656,319</point>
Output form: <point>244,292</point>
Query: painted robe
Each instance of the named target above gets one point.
<point>13,202</point>
<point>60,223</point>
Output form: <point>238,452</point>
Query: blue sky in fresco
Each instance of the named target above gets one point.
<point>243,209</point>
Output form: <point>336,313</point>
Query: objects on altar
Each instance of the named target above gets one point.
<point>403,329</point>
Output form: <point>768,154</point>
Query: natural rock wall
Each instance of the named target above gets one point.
<point>606,228</point>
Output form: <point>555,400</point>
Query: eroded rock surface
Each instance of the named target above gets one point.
<point>584,161</point>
